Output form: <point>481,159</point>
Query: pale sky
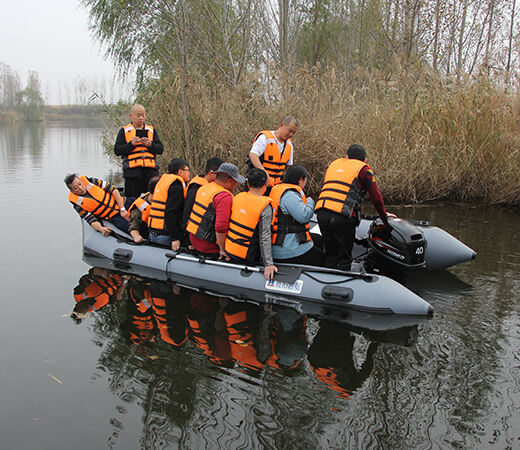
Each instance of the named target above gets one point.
<point>52,38</point>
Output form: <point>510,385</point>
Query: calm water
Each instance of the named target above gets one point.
<point>152,365</point>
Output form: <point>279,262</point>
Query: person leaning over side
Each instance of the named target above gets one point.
<point>140,212</point>
<point>96,200</point>
<point>249,234</point>
<point>293,211</point>
<point>209,219</point>
<point>138,144</point>
<point>338,208</point>
<point>210,173</point>
<point>165,221</point>
<point>272,151</point>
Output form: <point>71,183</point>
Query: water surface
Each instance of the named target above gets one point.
<point>154,365</point>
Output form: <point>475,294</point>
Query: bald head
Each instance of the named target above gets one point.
<point>138,115</point>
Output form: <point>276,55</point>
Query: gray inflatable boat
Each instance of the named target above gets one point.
<point>354,291</point>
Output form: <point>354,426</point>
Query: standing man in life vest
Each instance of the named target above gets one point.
<point>338,208</point>
<point>138,144</point>
<point>96,200</point>
<point>272,151</point>
<point>209,219</point>
<point>165,220</point>
<point>249,234</point>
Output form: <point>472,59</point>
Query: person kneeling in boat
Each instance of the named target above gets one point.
<point>209,219</point>
<point>165,221</point>
<point>140,213</point>
<point>293,211</point>
<point>96,200</point>
<point>338,208</point>
<point>249,234</point>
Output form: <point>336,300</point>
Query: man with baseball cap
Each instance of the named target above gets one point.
<point>209,219</point>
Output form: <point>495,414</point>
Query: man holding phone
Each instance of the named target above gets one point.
<point>138,144</point>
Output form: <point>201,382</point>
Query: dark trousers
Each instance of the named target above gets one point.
<point>137,185</point>
<point>338,238</point>
<point>118,221</point>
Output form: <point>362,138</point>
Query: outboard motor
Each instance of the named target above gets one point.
<point>397,248</point>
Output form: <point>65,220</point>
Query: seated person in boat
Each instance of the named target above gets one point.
<point>249,234</point>
<point>165,221</point>
<point>210,173</point>
<point>338,208</point>
<point>293,211</point>
<point>209,219</point>
<point>96,200</point>
<point>140,212</point>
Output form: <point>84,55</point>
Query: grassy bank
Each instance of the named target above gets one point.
<point>427,139</point>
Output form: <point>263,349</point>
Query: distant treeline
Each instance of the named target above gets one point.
<point>429,88</point>
<point>72,112</point>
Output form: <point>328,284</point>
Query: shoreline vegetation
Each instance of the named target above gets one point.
<point>446,142</point>
<point>54,113</point>
<point>429,88</point>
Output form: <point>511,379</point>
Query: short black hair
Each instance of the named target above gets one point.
<point>294,174</point>
<point>256,177</point>
<point>152,182</point>
<point>177,164</point>
<point>213,164</point>
<point>69,178</point>
<point>357,151</point>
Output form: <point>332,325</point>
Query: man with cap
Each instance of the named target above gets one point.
<point>209,219</point>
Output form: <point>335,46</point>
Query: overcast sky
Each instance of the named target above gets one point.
<point>52,38</point>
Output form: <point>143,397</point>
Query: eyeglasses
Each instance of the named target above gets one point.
<point>186,169</point>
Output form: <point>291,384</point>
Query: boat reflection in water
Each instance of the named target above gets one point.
<point>247,336</point>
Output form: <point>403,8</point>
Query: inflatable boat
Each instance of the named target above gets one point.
<point>387,327</point>
<point>407,245</point>
<point>349,291</point>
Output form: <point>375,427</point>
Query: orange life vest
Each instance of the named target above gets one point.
<point>202,217</point>
<point>197,180</point>
<point>160,196</point>
<point>140,156</point>
<point>101,203</point>
<point>273,161</point>
<point>142,205</point>
<point>242,236</point>
<point>341,192</point>
<point>284,224</point>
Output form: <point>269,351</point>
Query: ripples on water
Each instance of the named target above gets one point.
<point>204,372</point>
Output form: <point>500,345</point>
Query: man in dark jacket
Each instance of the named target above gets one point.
<point>138,144</point>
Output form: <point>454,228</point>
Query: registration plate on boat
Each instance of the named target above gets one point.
<point>295,288</point>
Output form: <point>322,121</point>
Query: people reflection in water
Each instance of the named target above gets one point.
<point>95,290</point>
<point>158,313</point>
<point>331,357</point>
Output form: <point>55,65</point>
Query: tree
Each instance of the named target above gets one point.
<point>9,86</point>
<point>30,103</point>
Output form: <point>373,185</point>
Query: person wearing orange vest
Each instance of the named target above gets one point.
<point>338,208</point>
<point>209,219</point>
<point>272,151</point>
<point>249,234</point>
<point>138,144</point>
<point>210,173</point>
<point>140,212</point>
<point>96,200</point>
<point>165,220</point>
<point>293,211</point>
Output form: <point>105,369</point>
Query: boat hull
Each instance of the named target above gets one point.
<point>349,291</point>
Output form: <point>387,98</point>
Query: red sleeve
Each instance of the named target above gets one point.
<point>368,183</point>
<point>222,203</point>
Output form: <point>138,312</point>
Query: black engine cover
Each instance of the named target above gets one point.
<point>401,243</point>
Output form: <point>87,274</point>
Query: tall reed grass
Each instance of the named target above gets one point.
<point>427,139</point>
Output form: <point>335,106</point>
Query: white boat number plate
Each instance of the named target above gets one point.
<point>274,285</point>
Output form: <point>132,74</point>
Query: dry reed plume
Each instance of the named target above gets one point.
<point>426,139</point>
